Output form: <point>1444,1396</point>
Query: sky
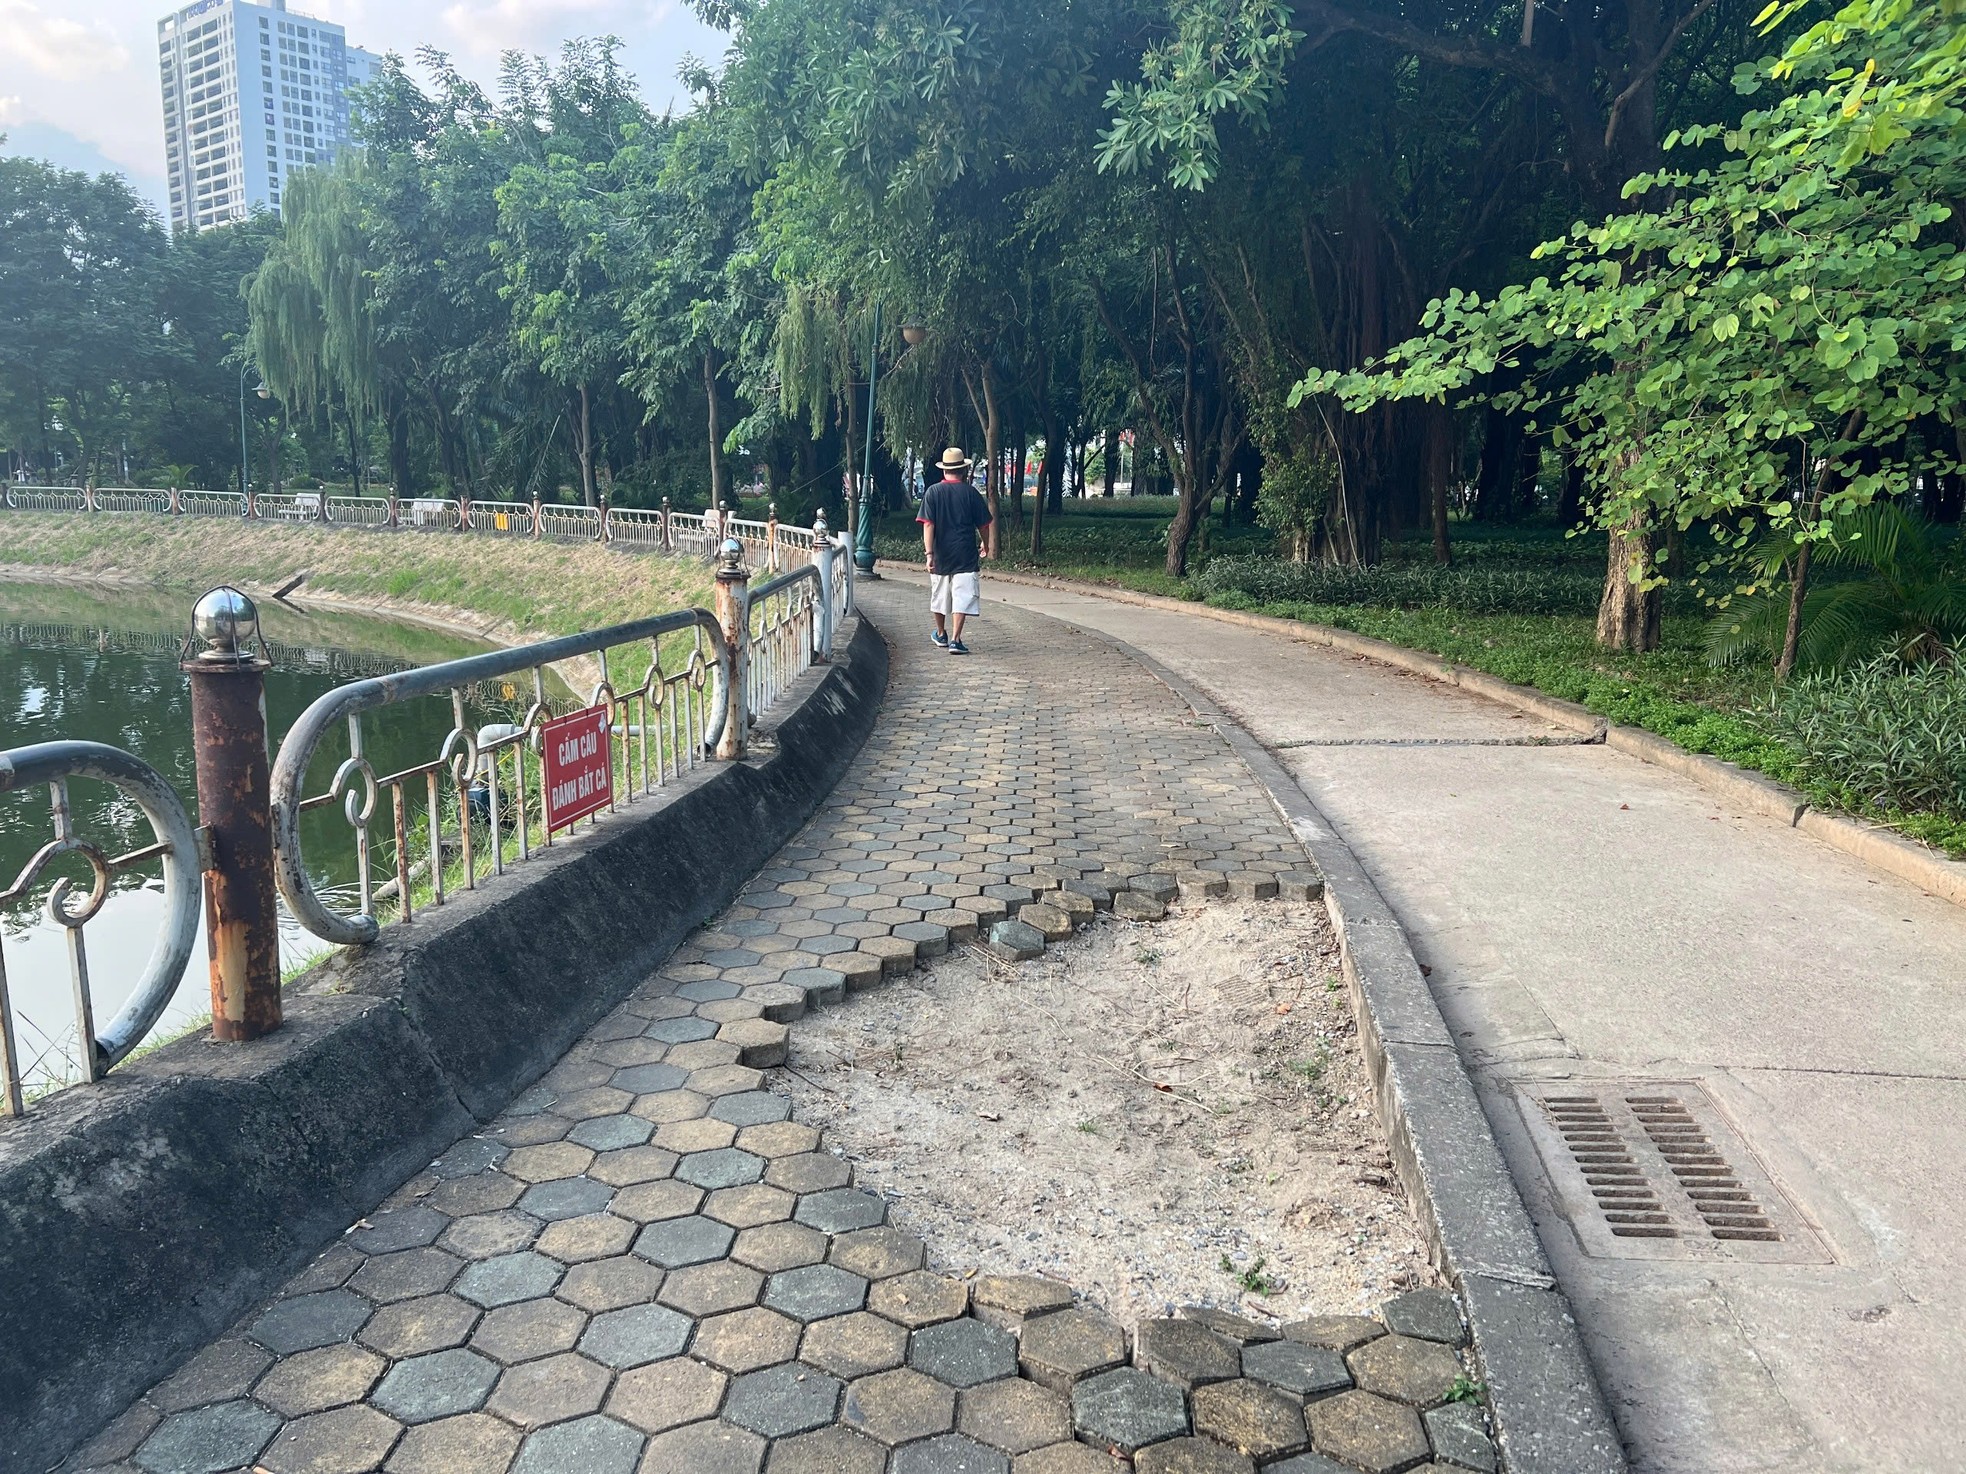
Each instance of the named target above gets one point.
<point>79,85</point>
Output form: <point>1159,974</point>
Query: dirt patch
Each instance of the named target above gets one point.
<point>1126,1114</point>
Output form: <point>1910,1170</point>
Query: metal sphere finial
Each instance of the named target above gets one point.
<point>819,527</point>
<point>731,554</point>
<point>228,624</point>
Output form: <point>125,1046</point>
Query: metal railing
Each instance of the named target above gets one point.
<point>119,499</point>
<point>358,511</point>
<point>174,847</point>
<point>786,634</point>
<point>503,519</point>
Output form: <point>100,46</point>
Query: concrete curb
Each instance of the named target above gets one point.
<point>140,1217</point>
<point>1543,1393</point>
<point>1873,844</point>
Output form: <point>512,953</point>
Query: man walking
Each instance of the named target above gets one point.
<point>953,513</point>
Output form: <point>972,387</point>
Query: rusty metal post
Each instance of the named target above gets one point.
<point>667,545</point>
<point>607,528</point>
<point>822,559</point>
<point>177,502</point>
<point>734,615</point>
<point>235,810</point>
<point>395,509</point>
<point>535,515</point>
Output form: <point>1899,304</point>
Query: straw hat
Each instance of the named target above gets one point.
<point>953,459</point>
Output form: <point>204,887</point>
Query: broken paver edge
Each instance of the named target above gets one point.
<point>139,1218</point>
<point>1543,1393</point>
<point>1879,847</point>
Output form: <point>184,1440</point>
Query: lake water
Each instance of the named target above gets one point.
<point>101,665</point>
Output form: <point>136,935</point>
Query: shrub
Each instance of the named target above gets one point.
<point>1390,586</point>
<point>1882,735</point>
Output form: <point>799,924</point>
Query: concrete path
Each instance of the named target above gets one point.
<point>1600,930</point>
<point>646,1265</point>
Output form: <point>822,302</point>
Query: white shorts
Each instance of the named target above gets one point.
<point>955,593</point>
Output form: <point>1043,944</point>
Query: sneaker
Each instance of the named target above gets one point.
<point>939,640</point>
<point>957,647</point>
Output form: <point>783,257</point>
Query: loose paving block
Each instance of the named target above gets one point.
<point>1008,1300</point>
<point>549,1390</point>
<point>950,1454</point>
<point>919,1299</point>
<point>1308,1371</point>
<point>745,1340</point>
<point>592,1445</point>
<point>1053,924</point>
<point>308,1321</point>
<point>675,1242</point>
<point>851,1346</point>
<point>710,1447</point>
<point>1016,941</point>
<point>1366,1432</point>
<point>899,1406</point>
<point>1157,884</point>
<point>1428,1315</point>
<point>1253,885</point>
<point>636,1335</point>
<point>666,1394</point>
<point>472,1443</point>
<point>1301,885</point>
<point>1100,896</point>
<point>1057,1350</point>
<point>1338,1333</point>
<point>840,1210</point>
<point>930,939</point>
<point>1078,909</point>
<point>860,969</point>
<point>782,1400</point>
<point>1187,1353</point>
<point>827,1451</point>
<point>1237,1328</point>
<point>1460,1437</point>
<point>208,1439</point>
<point>897,954</point>
<point>528,1330</point>
<point>1252,1417</point>
<point>1201,885</point>
<point>963,1353</point>
<point>1014,1415</point>
<point>1133,905</point>
<point>1405,1368</point>
<point>315,1381</point>
<point>1192,1456</point>
<point>759,1042</point>
<point>435,1386</point>
<point>1128,1410</point>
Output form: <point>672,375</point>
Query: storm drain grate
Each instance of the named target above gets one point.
<point>1652,1170</point>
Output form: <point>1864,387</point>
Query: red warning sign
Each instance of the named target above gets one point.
<point>579,764</point>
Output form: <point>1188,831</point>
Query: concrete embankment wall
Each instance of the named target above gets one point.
<point>140,1217</point>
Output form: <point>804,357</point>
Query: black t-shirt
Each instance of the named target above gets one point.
<point>955,510</point>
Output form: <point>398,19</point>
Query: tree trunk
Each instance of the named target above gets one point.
<point>1501,449</point>
<point>1570,512</point>
<point>1628,616</point>
<point>1440,475</point>
<point>1798,595</point>
<point>992,449</point>
<point>400,474</point>
<point>1112,462</point>
<point>716,429</point>
<point>585,450</point>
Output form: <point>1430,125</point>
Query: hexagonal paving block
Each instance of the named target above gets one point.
<point>711,1447</point>
<point>222,1371</point>
<point>855,1345</point>
<point>815,1292</point>
<point>775,1246</point>
<point>1185,1352</point>
<point>346,1440</point>
<point>405,1275</point>
<point>963,1353</point>
<point>782,1400</point>
<point>1007,1300</point>
<point>590,1236</point>
<point>840,1210</point>
<point>1366,1432</point>
<point>435,1386</point>
<point>317,1380</point>
<point>399,1228</point>
<point>413,1327</point>
<point>675,1242</point>
<point>723,1167</point>
<point>809,1172</point>
<point>749,1206</point>
<point>827,1451</point>
<point>1406,1369</point>
<point>487,1235</point>
<point>650,1202</point>
<point>1237,1328</point>
<point>647,1079</point>
<point>1338,1333</point>
<point>567,1197</point>
<point>609,1284</point>
<point>1251,1416</point>
<point>899,1406</point>
<point>752,1107</point>
<point>681,1030</point>
<point>1128,1409</point>
<point>550,1390</point>
<point>528,1330</point>
<point>611,1133</point>
<point>470,1442</point>
<point>918,1299</point>
<point>208,1439</point>
<point>1460,1437</point>
<point>1057,1350</point>
<point>1429,1315</point>
<point>745,1340</point>
<point>636,1335</point>
<point>697,1134</point>
<point>508,1279</point>
<point>548,1163</point>
<point>1192,1456</point>
<point>708,1289</point>
<point>473,1154</point>
<point>666,1394</point>
<point>952,1453</point>
<point>1014,1415</point>
<point>307,1321</point>
<point>1069,1458</point>
<point>1308,1371</point>
<point>592,1445</point>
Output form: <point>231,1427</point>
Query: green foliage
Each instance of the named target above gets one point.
<point>1881,737</point>
<point>1296,490</point>
<point>1475,590</point>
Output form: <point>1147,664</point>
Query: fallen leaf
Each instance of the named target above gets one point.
<point>1283,1008</point>
<point>1168,1088</point>
<point>991,1115</point>
<point>1624,806</point>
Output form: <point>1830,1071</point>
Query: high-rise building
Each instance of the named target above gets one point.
<point>252,92</point>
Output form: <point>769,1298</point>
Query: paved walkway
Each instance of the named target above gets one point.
<point>646,1265</point>
<point>1590,918</point>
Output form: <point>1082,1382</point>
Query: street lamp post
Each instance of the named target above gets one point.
<point>245,468</point>
<point>863,531</point>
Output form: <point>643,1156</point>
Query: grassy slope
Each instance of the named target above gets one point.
<point>1671,691</point>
